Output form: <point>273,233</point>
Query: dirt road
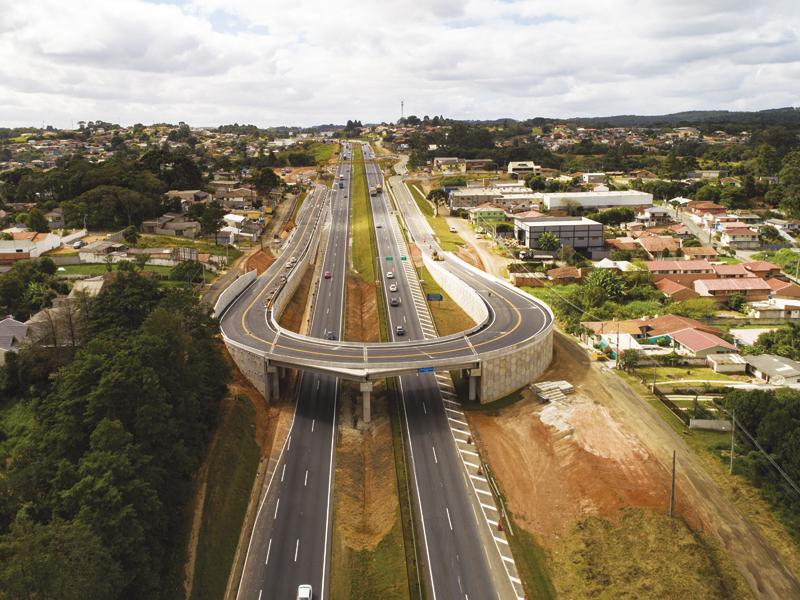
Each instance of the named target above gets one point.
<point>491,262</point>
<point>756,559</point>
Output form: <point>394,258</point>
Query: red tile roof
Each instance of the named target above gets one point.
<point>681,266</point>
<point>696,340</point>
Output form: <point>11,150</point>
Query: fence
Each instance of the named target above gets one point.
<point>671,405</point>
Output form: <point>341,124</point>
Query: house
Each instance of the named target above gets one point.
<point>783,289</point>
<point>470,197</point>
<point>55,218</point>
<point>236,198</point>
<point>705,207</point>
<point>699,253</point>
<point>742,238</point>
<point>763,269</point>
<point>565,275</point>
<point>42,242</point>
<point>12,335</point>
<point>658,246</point>
<point>596,200</point>
<point>783,224</point>
<point>524,167</point>
<point>579,233</point>
<point>617,265</point>
<point>675,291</point>
<point>752,288</point>
<point>685,272</point>
<point>188,198</point>
<point>593,177</point>
<point>773,369</point>
<point>697,343</point>
<point>172,224</point>
<point>486,213</point>
<point>478,164</point>
<point>726,363</point>
<point>775,308</point>
<point>97,251</point>
<point>737,271</point>
<point>653,216</point>
<point>447,163</point>
<point>13,250</point>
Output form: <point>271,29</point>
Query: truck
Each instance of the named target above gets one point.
<point>341,185</point>
<point>373,191</point>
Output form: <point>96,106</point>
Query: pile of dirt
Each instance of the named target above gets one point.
<point>259,260</point>
<point>292,317</point>
<point>469,255</point>
<point>361,320</point>
<point>367,505</point>
<point>416,255</point>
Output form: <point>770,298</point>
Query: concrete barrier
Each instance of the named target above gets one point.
<point>466,297</point>
<point>232,292</point>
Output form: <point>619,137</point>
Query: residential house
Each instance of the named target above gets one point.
<point>448,163</point>
<point>593,177</point>
<point>699,253</point>
<point>13,250</point>
<point>55,218</point>
<point>762,269</point>
<point>565,275</point>
<point>99,250</point>
<point>685,272</point>
<point>42,242</point>
<point>523,167</point>
<point>726,363</point>
<point>675,291</point>
<point>704,207</point>
<point>775,308</point>
<point>175,224</point>
<point>486,213</point>
<point>741,238</point>
<point>653,216</point>
<point>725,271</point>
<point>236,198</point>
<point>698,343</point>
<point>752,288</point>
<point>789,226</point>
<point>658,246</point>
<point>13,334</point>
<point>478,164</point>
<point>773,369</point>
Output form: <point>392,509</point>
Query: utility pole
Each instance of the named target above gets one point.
<point>672,492</point>
<point>733,431</point>
<point>402,109</point>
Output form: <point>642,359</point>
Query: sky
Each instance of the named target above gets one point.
<point>306,62</point>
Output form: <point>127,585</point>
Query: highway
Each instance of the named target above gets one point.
<point>453,555</point>
<point>291,539</point>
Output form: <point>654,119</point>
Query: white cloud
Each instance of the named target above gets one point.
<point>314,61</point>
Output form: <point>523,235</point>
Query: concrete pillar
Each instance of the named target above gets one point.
<point>266,382</point>
<point>282,372</point>
<point>366,390</point>
<point>473,384</point>
<point>275,392</point>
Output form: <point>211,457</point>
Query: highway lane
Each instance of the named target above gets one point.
<point>290,543</point>
<point>457,566</point>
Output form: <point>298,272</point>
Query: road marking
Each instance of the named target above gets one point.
<point>470,452</point>
<point>259,594</point>
<point>458,412</point>
<point>277,504</point>
<point>283,472</point>
<point>305,480</point>
<point>436,460</point>
<point>482,492</point>
<point>289,444</point>
<point>312,425</point>
<point>448,518</point>
<point>478,477</point>
<point>296,548</point>
<point>502,541</point>
<point>269,547</point>
<point>464,423</point>
<point>317,383</point>
<point>424,408</point>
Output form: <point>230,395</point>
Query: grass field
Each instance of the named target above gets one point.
<point>448,315</point>
<point>232,467</point>
<point>100,268</point>
<point>448,240</point>
<point>203,246</point>
<point>323,152</point>
<point>361,220</point>
<point>679,373</point>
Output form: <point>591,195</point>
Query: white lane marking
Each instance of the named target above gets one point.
<point>470,452</point>
<point>259,594</point>
<point>318,384</point>
<point>503,541</point>
<point>464,423</point>
<point>436,460</point>
<point>289,445</point>
<point>469,464</point>
<point>482,492</point>
<point>296,548</point>
<point>283,472</point>
<point>489,507</point>
<point>424,408</point>
<point>457,412</point>
<point>448,518</point>
<point>478,477</point>
<point>269,547</point>
<point>312,425</point>
<point>305,480</point>
<point>507,559</point>
<point>277,504</point>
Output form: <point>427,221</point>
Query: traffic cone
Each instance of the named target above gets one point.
<point>469,439</point>
<point>499,525</point>
<point>480,470</point>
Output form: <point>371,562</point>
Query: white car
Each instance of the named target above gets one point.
<point>389,275</point>
<point>453,229</point>
<point>393,287</point>
<point>304,592</point>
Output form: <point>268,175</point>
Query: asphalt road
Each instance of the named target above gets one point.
<point>291,539</point>
<point>455,559</point>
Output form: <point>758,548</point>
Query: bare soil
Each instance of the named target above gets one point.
<point>292,317</point>
<point>366,502</point>
<point>259,260</point>
<point>469,254</point>
<point>361,307</point>
<point>611,451</point>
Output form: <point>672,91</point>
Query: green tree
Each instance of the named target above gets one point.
<point>437,196</point>
<point>37,221</point>
<point>672,167</point>
<point>131,234</point>
<point>609,281</point>
<point>628,360</point>
<point>265,180</point>
<point>548,241</point>
<point>60,559</point>
<point>211,221</point>
<point>766,162</point>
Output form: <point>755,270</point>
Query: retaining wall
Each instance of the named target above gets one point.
<point>251,365</point>
<point>466,297</point>
<point>506,371</point>
<point>232,292</point>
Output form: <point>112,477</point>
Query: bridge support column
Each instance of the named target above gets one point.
<point>474,374</point>
<point>270,382</point>
<point>366,391</point>
<point>282,372</point>
<point>273,371</point>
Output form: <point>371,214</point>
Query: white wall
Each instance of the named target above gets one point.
<point>466,297</point>
<point>231,292</point>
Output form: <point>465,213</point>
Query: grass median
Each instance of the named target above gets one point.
<point>361,221</point>
<point>448,316</point>
<point>448,240</point>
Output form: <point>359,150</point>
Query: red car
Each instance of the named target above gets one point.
<point>327,275</point>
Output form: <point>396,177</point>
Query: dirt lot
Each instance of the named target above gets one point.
<point>470,255</point>
<point>296,173</point>
<point>292,317</point>
<point>605,450</point>
<point>259,260</point>
<point>361,320</point>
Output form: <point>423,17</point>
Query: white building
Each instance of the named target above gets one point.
<point>597,200</point>
<point>524,167</point>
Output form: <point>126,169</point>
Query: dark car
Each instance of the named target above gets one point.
<point>395,301</point>
<point>330,336</point>
<point>327,275</point>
